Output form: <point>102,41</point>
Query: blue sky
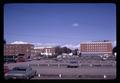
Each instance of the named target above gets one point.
<point>59,23</point>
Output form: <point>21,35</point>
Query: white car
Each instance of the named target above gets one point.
<point>34,58</point>
<point>29,60</point>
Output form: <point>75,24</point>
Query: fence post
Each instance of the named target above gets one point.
<point>48,65</point>
<point>58,65</point>
<point>91,65</point>
<point>38,75</point>
<point>105,76</point>
<point>60,75</point>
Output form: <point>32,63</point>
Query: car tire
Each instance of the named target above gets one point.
<point>28,78</point>
<point>35,74</point>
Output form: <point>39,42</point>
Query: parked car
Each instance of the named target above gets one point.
<point>10,61</point>
<point>73,64</point>
<point>29,59</point>
<point>34,58</point>
<point>38,58</point>
<point>20,72</point>
<point>6,69</point>
<point>20,59</point>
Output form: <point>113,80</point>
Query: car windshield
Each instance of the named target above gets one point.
<point>19,69</point>
<point>73,62</point>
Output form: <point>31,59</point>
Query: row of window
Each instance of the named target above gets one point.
<point>96,48</point>
<point>96,51</point>
<point>96,45</point>
<point>17,51</point>
<point>17,47</point>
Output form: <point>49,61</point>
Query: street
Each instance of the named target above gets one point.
<point>49,69</point>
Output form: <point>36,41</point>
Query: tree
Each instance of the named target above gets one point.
<point>4,41</point>
<point>75,52</point>
<point>66,50</point>
<point>58,50</point>
<point>114,50</point>
<point>80,54</point>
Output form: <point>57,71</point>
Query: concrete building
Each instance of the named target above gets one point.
<point>16,49</point>
<point>48,51</point>
<point>96,47</point>
<point>38,50</point>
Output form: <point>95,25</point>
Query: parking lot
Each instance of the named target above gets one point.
<point>52,69</point>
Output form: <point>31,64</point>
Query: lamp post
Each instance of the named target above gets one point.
<point>115,54</point>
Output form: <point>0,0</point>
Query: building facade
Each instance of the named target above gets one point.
<point>16,49</point>
<point>47,51</point>
<point>96,47</point>
<point>38,51</point>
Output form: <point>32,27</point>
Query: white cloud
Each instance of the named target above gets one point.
<point>75,24</point>
<point>37,44</point>
<point>114,43</point>
<point>71,46</point>
<point>45,44</point>
<point>19,42</point>
<point>40,45</point>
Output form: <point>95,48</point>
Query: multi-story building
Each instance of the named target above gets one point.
<point>17,49</point>
<point>38,50</point>
<point>96,47</point>
<point>48,51</point>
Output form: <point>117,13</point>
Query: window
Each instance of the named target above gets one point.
<point>19,69</point>
<point>27,50</point>
<point>29,69</point>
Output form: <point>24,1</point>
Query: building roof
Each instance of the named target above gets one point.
<point>42,47</point>
<point>95,42</point>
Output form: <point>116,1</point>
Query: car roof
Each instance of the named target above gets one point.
<point>22,67</point>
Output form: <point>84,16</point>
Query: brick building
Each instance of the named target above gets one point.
<point>38,50</point>
<point>96,47</point>
<point>16,49</point>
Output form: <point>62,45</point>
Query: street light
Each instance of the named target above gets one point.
<point>105,76</point>
<point>60,75</point>
<point>38,75</point>
<point>115,54</point>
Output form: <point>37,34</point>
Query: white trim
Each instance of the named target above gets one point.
<point>95,52</point>
<point>38,47</point>
<point>43,47</point>
<point>94,42</point>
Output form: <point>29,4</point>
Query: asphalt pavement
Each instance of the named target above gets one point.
<point>51,69</point>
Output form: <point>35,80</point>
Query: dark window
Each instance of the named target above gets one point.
<point>19,69</point>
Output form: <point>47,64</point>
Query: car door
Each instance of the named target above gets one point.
<point>30,72</point>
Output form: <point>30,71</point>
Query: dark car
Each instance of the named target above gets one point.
<point>6,69</point>
<point>29,59</point>
<point>20,59</point>
<point>21,72</point>
<point>73,64</point>
<point>38,58</point>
